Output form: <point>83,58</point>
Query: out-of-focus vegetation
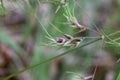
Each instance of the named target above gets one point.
<point>36,37</point>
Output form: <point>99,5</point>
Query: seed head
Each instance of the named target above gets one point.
<point>68,36</point>
<point>60,40</point>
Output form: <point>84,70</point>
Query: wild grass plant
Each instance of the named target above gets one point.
<point>60,33</point>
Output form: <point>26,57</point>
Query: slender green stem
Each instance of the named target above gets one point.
<point>114,33</point>
<point>56,28</point>
<point>50,59</point>
<point>80,76</point>
<point>44,28</point>
<point>112,41</point>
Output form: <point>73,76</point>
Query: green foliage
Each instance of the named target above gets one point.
<point>65,24</point>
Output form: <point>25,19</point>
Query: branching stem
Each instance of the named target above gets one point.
<point>50,59</point>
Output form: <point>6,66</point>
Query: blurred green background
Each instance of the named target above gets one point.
<point>25,26</point>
